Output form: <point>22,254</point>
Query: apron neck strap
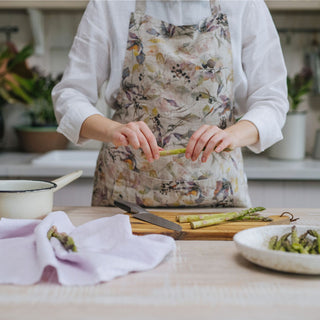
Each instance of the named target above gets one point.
<point>141,6</point>
<point>215,6</point>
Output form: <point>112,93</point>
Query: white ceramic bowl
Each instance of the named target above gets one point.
<point>253,245</point>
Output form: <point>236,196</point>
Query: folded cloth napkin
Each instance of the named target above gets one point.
<point>106,248</point>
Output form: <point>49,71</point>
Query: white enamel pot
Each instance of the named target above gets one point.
<point>30,199</point>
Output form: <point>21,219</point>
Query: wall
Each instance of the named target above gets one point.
<point>295,46</point>
<point>60,28</point>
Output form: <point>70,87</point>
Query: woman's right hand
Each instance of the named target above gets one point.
<point>136,134</point>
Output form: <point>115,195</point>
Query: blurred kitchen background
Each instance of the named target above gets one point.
<point>51,26</point>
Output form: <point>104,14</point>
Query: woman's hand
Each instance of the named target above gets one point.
<point>136,134</point>
<point>211,138</point>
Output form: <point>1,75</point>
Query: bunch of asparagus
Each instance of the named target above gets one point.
<point>65,240</point>
<point>206,220</point>
<point>307,243</point>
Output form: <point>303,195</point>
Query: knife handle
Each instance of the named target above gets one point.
<point>124,205</point>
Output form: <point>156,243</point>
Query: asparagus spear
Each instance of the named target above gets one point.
<point>221,219</point>
<point>253,218</point>
<point>287,246</point>
<point>295,239</point>
<point>178,151</point>
<point>197,217</point>
<point>278,245</point>
<point>65,240</point>
<point>317,236</point>
<point>272,242</point>
<point>172,152</point>
<point>214,221</point>
<point>307,247</point>
<point>313,249</point>
<point>207,216</point>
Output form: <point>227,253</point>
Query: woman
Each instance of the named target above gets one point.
<point>181,77</point>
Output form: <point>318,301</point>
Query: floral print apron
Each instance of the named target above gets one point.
<point>175,79</point>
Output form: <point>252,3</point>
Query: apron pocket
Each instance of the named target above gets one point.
<point>151,192</point>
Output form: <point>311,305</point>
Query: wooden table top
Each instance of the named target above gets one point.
<point>201,280</point>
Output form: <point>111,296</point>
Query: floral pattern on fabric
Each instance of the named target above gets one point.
<point>175,79</point>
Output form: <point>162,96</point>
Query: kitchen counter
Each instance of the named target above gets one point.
<point>201,280</point>
<point>272,183</point>
<point>257,167</point>
<point>19,164</point>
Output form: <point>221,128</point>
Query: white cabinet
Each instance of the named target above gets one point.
<point>285,194</point>
<point>269,194</point>
<point>78,193</point>
<point>285,184</point>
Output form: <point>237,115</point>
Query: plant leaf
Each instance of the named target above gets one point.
<point>21,56</point>
<point>19,92</point>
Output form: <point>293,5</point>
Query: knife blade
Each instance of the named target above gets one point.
<point>144,215</point>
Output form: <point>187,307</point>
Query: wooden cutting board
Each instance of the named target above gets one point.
<point>224,231</point>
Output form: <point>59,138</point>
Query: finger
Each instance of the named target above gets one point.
<point>137,139</point>
<point>146,149</point>
<point>211,145</point>
<point>203,141</point>
<point>145,138</point>
<point>120,140</point>
<point>131,135</point>
<point>151,140</point>
<point>137,134</point>
<point>217,143</point>
<point>223,145</point>
<point>193,140</point>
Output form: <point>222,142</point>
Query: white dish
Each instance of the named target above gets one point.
<point>253,245</point>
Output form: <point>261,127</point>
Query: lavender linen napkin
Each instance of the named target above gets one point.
<point>106,249</point>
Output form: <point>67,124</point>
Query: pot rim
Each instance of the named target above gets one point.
<point>52,186</point>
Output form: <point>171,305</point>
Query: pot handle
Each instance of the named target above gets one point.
<point>64,180</point>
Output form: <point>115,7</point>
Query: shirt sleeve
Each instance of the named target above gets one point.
<point>264,66</point>
<point>75,96</point>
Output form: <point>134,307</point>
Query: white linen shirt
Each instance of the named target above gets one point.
<point>99,47</point>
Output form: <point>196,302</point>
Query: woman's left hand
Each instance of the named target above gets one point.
<point>211,138</point>
<point>208,139</point>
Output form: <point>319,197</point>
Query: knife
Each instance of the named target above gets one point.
<point>144,215</point>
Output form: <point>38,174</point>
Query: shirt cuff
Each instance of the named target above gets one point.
<point>71,122</point>
<point>268,127</point>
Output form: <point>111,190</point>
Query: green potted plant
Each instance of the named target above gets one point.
<point>292,147</point>
<point>13,70</point>
<point>298,87</point>
<point>41,136</point>
<point>19,84</point>
<point>41,109</point>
